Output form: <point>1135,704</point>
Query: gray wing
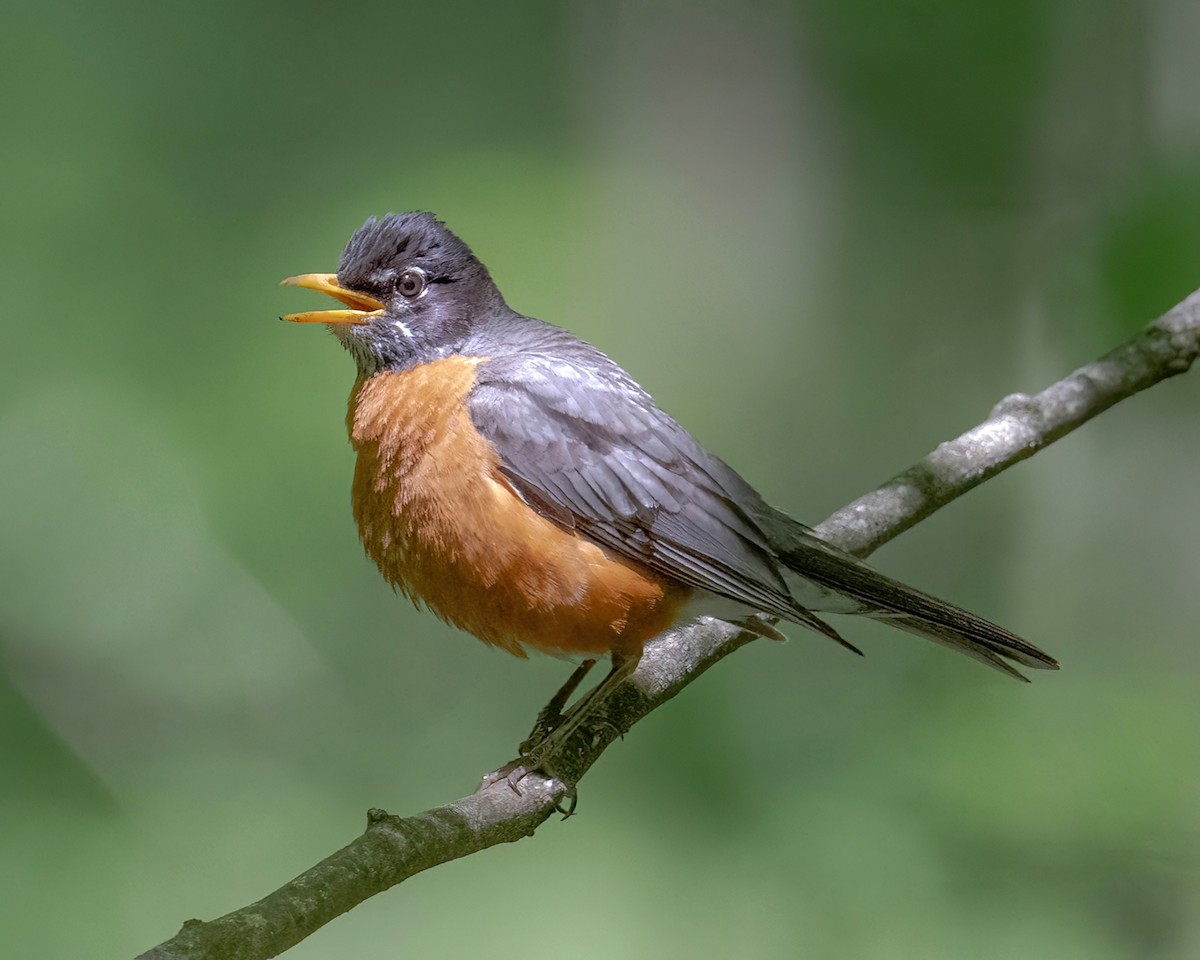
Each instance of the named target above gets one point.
<point>584,445</point>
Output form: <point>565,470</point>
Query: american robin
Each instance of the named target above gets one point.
<point>522,486</point>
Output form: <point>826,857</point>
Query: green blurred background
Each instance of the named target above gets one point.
<point>827,236</point>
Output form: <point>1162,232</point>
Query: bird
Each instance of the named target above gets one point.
<point>519,484</point>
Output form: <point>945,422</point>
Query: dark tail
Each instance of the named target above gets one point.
<point>890,601</point>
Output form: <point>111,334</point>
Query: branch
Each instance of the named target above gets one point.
<point>392,848</point>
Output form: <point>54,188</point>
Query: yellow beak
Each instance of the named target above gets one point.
<point>363,307</point>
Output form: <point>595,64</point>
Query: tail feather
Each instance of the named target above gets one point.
<point>975,650</point>
<point>911,610</point>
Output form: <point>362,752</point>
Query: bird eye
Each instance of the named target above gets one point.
<point>411,283</point>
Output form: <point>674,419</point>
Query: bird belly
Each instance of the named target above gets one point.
<point>444,526</point>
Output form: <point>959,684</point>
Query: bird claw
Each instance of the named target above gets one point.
<point>553,728</point>
<point>570,795</point>
<point>513,772</point>
<point>518,773</point>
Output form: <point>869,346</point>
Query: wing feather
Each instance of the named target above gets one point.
<point>589,449</point>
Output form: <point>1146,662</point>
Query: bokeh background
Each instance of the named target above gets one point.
<point>827,235</point>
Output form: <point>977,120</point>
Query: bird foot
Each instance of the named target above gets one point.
<point>517,770</point>
<point>550,730</point>
<point>554,727</point>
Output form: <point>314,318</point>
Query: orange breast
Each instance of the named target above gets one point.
<point>445,527</point>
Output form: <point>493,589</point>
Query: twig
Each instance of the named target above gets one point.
<point>394,848</point>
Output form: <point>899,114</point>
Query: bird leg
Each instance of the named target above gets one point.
<point>588,704</point>
<point>551,716</point>
<point>553,728</point>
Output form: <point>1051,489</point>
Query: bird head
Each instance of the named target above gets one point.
<point>413,292</point>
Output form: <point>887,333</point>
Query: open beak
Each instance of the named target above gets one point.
<point>362,307</point>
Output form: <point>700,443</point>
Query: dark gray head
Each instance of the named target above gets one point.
<point>416,289</point>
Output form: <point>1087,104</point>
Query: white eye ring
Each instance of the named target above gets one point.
<point>412,283</point>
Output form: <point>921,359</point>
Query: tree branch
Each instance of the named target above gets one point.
<point>393,848</point>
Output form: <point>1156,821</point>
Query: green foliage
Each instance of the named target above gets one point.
<point>1152,246</point>
<point>952,88</point>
